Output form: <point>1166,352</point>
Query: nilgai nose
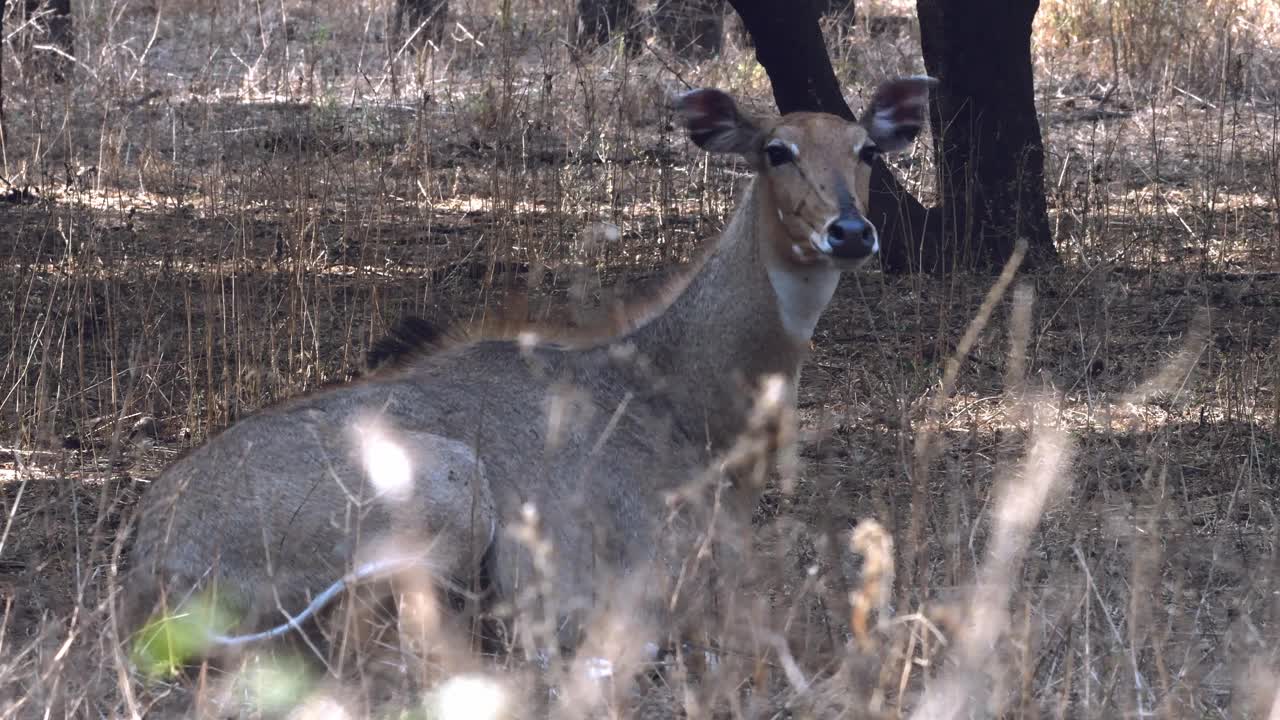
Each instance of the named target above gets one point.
<point>444,453</point>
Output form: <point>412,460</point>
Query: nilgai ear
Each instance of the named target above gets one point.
<point>715,124</point>
<point>897,112</point>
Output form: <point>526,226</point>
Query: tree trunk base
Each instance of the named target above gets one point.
<point>691,26</point>
<point>985,131</point>
<point>599,20</point>
<point>421,21</point>
<point>52,27</point>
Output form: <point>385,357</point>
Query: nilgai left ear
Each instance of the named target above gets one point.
<point>897,112</point>
<point>715,123</point>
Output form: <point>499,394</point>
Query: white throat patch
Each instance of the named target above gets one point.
<point>803,293</point>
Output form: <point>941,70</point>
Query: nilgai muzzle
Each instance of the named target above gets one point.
<point>608,441</point>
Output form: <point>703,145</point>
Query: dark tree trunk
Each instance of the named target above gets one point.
<point>789,45</point>
<point>689,24</point>
<point>55,30</point>
<point>985,131</point>
<point>824,8</point>
<point>427,18</point>
<point>598,20</point>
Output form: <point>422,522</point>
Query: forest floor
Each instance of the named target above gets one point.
<point>199,239</point>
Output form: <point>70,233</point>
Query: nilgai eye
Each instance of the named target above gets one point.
<point>778,153</point>
<point>868,153</point>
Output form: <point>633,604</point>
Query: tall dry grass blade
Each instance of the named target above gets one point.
<point>1019,339</point>
<point>1173,376</point>
<point>870,540</point>
<point>926,448</point>
<point>1022,497</point>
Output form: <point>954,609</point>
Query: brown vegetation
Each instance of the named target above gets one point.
<point>1074,478</point>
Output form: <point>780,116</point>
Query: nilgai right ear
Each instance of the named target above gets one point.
<point>897,112</point>
<point>715,124</point>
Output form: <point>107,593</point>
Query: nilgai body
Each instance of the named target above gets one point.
<point>607,442</point>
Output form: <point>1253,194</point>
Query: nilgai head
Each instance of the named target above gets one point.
<point>815,167</point>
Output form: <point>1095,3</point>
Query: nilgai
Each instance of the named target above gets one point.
<point>444,458</point>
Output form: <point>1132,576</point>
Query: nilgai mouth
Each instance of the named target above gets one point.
<point>849,236</point>
<point>848,241</point>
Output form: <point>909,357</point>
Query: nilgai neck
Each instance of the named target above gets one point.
<point>749,307</point>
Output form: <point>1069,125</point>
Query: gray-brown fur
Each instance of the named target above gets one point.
<point>597,438</point>
<point>219,503</point>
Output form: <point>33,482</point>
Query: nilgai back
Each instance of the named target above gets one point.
<point>608,441</point>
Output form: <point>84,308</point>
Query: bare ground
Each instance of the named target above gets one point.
<point>179,260</point>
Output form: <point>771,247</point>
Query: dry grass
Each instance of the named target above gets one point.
<point>229,203</point>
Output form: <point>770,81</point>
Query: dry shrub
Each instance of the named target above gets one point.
<point>1195,44</point>
<point>234,200</point>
